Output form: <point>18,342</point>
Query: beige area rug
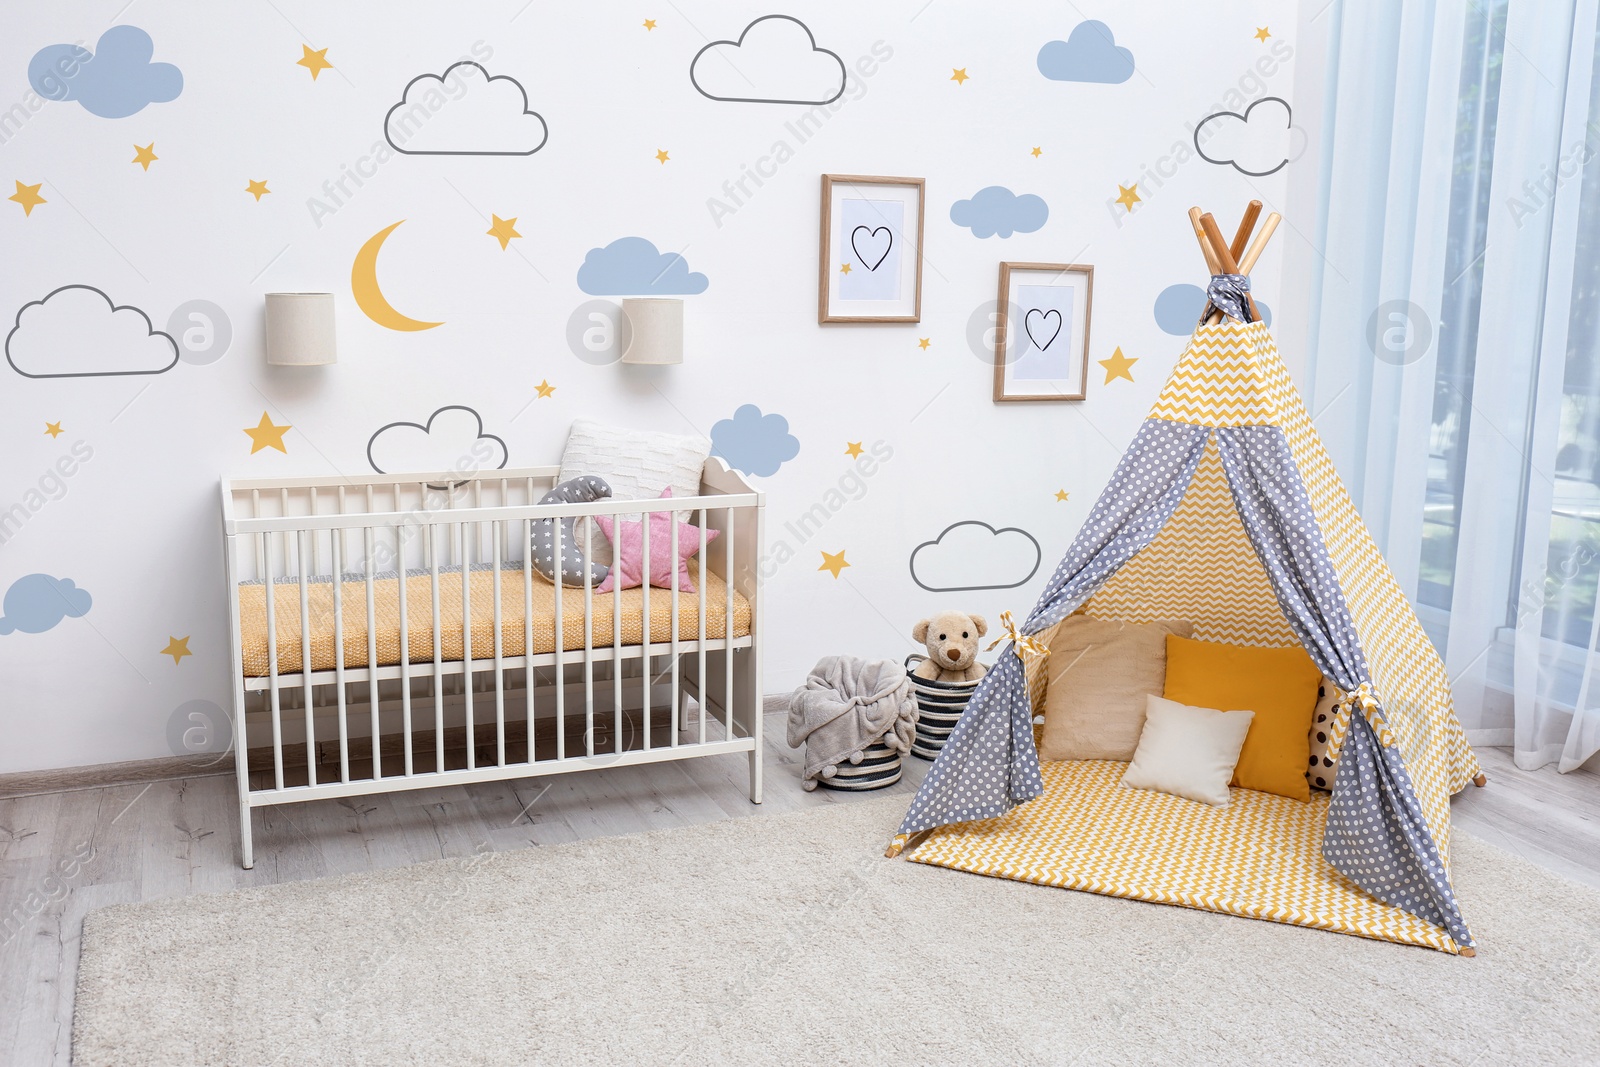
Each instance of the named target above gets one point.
<point>789,939</point>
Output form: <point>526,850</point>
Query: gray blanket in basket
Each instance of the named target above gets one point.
<point>848,704</point>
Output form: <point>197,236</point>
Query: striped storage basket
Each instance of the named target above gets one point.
<point>939,707</point>
<point>879,767</point>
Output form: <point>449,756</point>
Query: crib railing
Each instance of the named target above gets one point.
<point>316,730</point>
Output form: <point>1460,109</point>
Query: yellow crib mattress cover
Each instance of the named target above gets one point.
<point>514,634</point>
<point>1260,857</point>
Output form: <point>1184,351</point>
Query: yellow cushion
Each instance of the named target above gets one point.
<point>1278,684</point>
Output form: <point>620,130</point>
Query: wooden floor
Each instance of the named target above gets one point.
<point>178,837</point>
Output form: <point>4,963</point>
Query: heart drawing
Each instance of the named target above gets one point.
<point>1040,332</point>
<point>866,243</point>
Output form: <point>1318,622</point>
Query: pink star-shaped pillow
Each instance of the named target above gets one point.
<point>627,550</point>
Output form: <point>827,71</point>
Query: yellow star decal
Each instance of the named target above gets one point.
<point>1128,195</point>
<point>544,388</point>
<point>316,62</point>
<point>1037,152</point>
<point>661,155</point>
<point>265,435</point>
<point>1118,366</point>
<point>258,189</point>
<point>649,24</point>
<point>853,449</point>
<point>833,562</point>
<point>1061,494</point>
<point>1262,34</point>
<point>177,648</point>
<point>503,230</point>
<point>53,429</point>
<point>28,196</point>
<point>844,268</point>
<point>958,75</point>
<point>924,342</point>
<point>146,155</point>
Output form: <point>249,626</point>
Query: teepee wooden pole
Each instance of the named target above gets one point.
<point>1259,245</point>
<point>1241,237</point>
<point>1205,246</point>
<point>1219,244</point>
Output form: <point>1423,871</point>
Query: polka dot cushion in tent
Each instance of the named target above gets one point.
<point>1323,764</point>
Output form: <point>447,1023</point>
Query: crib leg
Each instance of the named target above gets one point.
<point>755,773</point>
<point>247,852</point>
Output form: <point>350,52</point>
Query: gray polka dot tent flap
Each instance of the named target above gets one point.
<point>1226,511</point>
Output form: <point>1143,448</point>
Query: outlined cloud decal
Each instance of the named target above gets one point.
<point>37,602</point>
<point>451,440</point>
<point>775,61</point>
<point>974,555</point>
<point>1089,54</point>
<point>1257,142</point>
<point>754,443</point>
<point>114,81</point>
<point>632,266</point>
<point>77,332</point>
<point>1177,309</point>
<point>464,112</point>
<point>996,211</point>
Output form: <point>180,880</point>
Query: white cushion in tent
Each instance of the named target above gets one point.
<point>1188,752</point>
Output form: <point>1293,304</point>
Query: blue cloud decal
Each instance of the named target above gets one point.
<point>114,81</point>
<point>754,443</point>
<point>997,211</point>
<point>1178,309</point>
<point>1089,54</point>
<point>37,602</point>
<point>631,266</point>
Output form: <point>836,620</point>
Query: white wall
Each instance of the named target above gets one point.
<point>136,523</point>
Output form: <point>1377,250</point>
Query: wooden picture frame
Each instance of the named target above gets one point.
<point>1027,364</point>
<point>862,235</point>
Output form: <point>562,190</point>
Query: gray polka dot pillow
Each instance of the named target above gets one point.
<point>1320,773</point>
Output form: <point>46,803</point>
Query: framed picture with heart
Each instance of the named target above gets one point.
<point>1041,338</point>
<point>871,261</point>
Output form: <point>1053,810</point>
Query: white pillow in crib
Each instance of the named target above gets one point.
<point>637,464</point>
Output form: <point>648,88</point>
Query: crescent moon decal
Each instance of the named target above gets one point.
<point>370,298</point>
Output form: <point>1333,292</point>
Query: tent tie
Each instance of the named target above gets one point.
<point>1229,294</point>
<point>1364,698</point>
<point>1028,648</point>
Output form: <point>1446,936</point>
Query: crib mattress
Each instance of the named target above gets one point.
<point>1260,857</point>
<point>419,618</point>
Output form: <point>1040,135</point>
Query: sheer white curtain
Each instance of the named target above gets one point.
<point>1454,338</point>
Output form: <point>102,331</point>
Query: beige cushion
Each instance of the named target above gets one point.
<point>1188,752</point>
<point>1098,675</point>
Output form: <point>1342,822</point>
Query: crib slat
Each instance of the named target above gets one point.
<point>499,651</point>
<point>405,643</point>
<point>336,551</point>
<point>704,558</point>
<point>273,696</point>
<point>466,639</point>
<point>368,543</point>
<point>561,664</point>
<point>437,681</point>
<point>673,577</point>
<point>616,639</point>
<point>588,637</point>
<point>644,639</point>
<point>529,682</point>
<point>306,690</point>
<point>727,630</point>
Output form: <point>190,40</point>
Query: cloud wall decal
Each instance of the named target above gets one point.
<point>753,442</point>
<point>77,332</point>
<point>1257,141</point>
<point>114,81</point>
<point>996,211</point>
<point>775,61</point>
<point>632,266</point>
<point>38,602</point>
<point>452,440</point>
<point>464,112</point>
<point>974,555</point>
<point>1177,309</point>
<point>1089,54</point>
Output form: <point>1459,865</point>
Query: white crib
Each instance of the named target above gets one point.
<point>362,666</point>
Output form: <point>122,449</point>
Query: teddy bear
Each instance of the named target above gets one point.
<point>952,641</point>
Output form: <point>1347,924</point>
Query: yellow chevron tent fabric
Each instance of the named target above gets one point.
<point>1203,565</point>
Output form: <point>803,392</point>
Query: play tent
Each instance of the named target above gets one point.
<point>1225,510</point>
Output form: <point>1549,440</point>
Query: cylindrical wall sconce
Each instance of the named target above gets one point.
<point>657,328</point>
<point>300,329</point>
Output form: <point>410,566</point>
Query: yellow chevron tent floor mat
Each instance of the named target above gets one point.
<point>1260,857</point>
